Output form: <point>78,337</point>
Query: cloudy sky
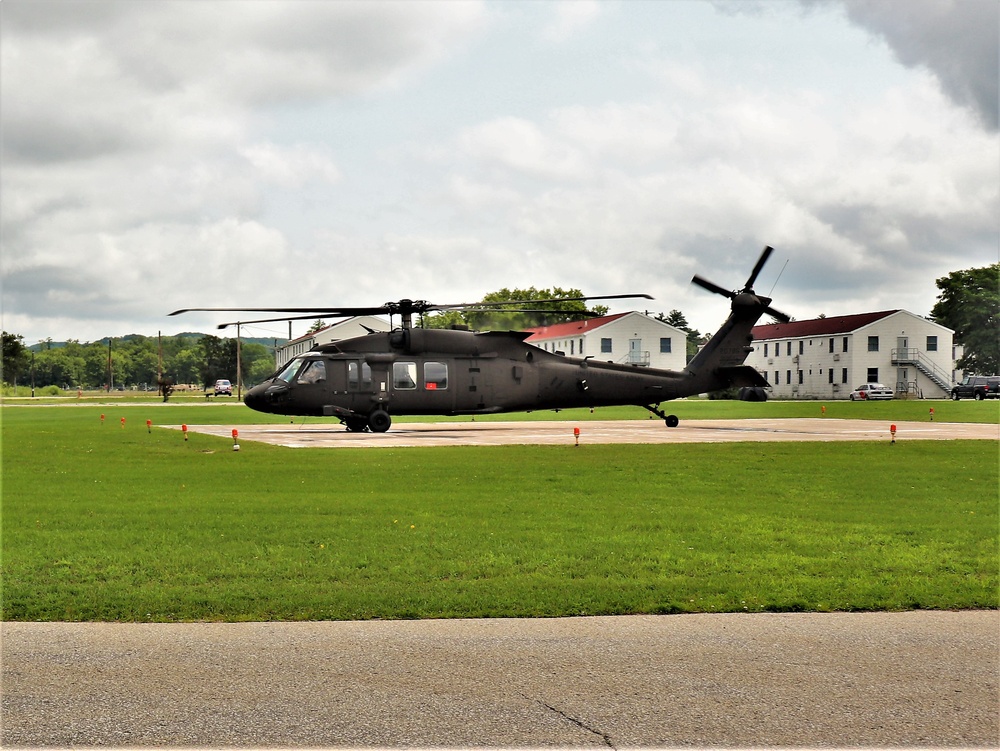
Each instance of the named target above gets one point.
<point>160,155</point>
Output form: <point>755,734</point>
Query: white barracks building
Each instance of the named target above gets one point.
<point>826,358</point>
<point>629,338</point>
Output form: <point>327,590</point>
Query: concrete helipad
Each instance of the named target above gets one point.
<point>305,435</point>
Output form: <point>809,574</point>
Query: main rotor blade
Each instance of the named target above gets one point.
<point>712,286</point>
<point>310,317</point>
<point>488,303</point>
<point>332,312</point>
<point>768,250</point>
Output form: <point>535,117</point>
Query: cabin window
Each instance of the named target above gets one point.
<point>665,345</point>
<point>313,371</point>
<point>606,344</point>
<point>435,376</point>
<point>404,375</point>
<point>932,344</point>
<point>873,344</point>
<point>352,375</point>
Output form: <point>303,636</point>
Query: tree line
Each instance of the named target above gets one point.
<point>133,362</point>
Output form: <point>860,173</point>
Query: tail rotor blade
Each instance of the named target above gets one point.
<point>783,317</point>
<point>768,250</point>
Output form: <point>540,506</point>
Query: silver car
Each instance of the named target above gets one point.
<point>871,391</point>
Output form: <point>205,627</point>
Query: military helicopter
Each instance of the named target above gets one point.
<point>367,380</point>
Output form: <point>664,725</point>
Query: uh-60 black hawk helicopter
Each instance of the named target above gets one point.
<point>366,380</point>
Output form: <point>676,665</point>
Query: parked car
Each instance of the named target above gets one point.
<point>223,388</point>
<point>977,387</point>
<point>871,391</point>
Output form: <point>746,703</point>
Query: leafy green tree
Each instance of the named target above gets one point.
<point>219,359</point>
<point>969,304</point>
<point>16,357</point>
<point>677,318</point>
<point>556,309</point>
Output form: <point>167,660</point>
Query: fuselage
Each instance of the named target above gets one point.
<point>444,372</point>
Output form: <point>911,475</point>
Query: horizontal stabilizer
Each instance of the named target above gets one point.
<point>742,375</point>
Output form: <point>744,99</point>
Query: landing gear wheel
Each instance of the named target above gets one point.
<point>672,421</point>
<point>379,421</point>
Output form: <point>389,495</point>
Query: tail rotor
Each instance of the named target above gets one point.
<point>750,296</point>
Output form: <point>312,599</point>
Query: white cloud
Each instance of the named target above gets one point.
<point>570,16</point>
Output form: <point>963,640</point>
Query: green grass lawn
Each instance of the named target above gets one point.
<point>101,522</point>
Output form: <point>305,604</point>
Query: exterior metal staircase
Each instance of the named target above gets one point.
<point>916,358</point>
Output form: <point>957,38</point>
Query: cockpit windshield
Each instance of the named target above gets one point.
<point>288,372</point>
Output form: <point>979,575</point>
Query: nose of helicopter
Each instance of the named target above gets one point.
<point>254,398</point>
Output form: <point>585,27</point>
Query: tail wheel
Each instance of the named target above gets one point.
<point>379,421</point>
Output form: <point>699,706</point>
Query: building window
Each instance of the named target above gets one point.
<point>873,344</point>
<point>665,345</point>
<point>831,375</point>
<point>435,376</point>
<point>802,345</point>
<point>606,344</point>
<point>777,378</point>
<point>872,375</point>
<point>843,375</point>
<point>800,377</point>
<point>845,348</point>
<point>788,376</point>
<point>572,347</point>
<point>765,349</point>
<point>581,347</point>
<point>777,349</point>
<point>789,350</point>
<point>932,344</point>
<point>831,345</point>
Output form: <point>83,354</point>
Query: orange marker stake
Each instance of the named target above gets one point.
<point>123,422</point>
<point>184,430</point>
<point>236,435</point>
<point>932,414</point>
<point>892,429</point>
<point>102,419</point>
<point>823,409</point>
<point>149,426</point>
<point>576,436</point>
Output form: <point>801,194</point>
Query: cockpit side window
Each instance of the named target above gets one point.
<point>366,375</point>
<point>314,371</point>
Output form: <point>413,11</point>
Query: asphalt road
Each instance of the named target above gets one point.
<point>843,679</point>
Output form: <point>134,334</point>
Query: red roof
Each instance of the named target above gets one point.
<point>818,326</point>
<point>571,328</point>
